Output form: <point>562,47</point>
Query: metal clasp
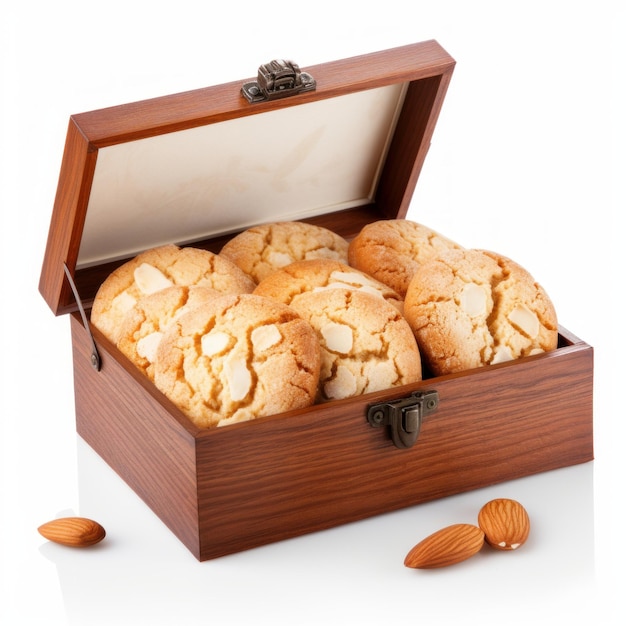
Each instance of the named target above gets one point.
<point>404,416</point>
<point>278,79</point>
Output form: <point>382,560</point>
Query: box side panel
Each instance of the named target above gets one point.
<point>286,477</point>
<point>410,145</point>
<point>68,216</point>
<point>137,437</point>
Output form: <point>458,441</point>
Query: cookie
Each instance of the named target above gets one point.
<point>157,269</point>
<point>392,250</point>
<point>145,324</point>
<point>263,249</point>
<point>366,343</point>
<point>470,308</point>
<point>320,274</point>
<point>237,358</point>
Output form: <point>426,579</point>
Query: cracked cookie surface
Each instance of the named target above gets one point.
<point>145,324</point>
<point>262,249</point>
<point>238,358</point>
<point>470,308</point>
<point>156,269</point>
<point>289,283</point>
<point>366,344</point>
<point>392,250</point>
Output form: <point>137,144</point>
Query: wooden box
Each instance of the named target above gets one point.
<point>198,167</point>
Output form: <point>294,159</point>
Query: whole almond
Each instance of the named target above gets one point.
<point>505,523</point>
<point>73,531</point>
<point>447,546</point>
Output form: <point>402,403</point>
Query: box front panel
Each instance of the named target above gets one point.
<point>279,478</point>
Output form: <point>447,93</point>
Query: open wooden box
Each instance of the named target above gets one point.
<point>198,167</point>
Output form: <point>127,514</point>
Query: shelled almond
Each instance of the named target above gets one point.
<point>447,546</point>
<point>505,523</point>
<point>73,531</point>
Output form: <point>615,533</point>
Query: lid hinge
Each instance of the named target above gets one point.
<point>404,416</point>
<point>96,362</point>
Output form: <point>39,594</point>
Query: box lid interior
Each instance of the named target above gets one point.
<point>195,168</point>
<point>194,184</point>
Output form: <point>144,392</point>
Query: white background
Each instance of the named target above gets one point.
<point>527,160</point>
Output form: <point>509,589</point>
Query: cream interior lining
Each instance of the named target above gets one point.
<point>286,164</point>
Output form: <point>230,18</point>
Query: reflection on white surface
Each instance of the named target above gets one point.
<point>141,573</point>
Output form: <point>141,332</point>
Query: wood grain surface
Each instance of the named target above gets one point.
<point>230,489</point>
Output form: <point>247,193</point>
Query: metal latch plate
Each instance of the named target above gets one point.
<point>404,416</point>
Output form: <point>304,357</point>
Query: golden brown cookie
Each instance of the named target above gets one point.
<point>320,274</point>
<point>238,358</point>
<point>261,250</point>
<point>145,324</point>
<point>392,250</point>
<point>157,269</point>
<point>470,308</point>
<point>366,343</point>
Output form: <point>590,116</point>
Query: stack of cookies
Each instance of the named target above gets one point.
<point>289,314</point>
<point>467,308</point>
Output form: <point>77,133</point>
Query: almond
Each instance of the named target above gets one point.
<point>447,546</point>
<point>73,531</point>
<point>505,523</point>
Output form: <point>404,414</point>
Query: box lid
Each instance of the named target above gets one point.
<point>199,166</point>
